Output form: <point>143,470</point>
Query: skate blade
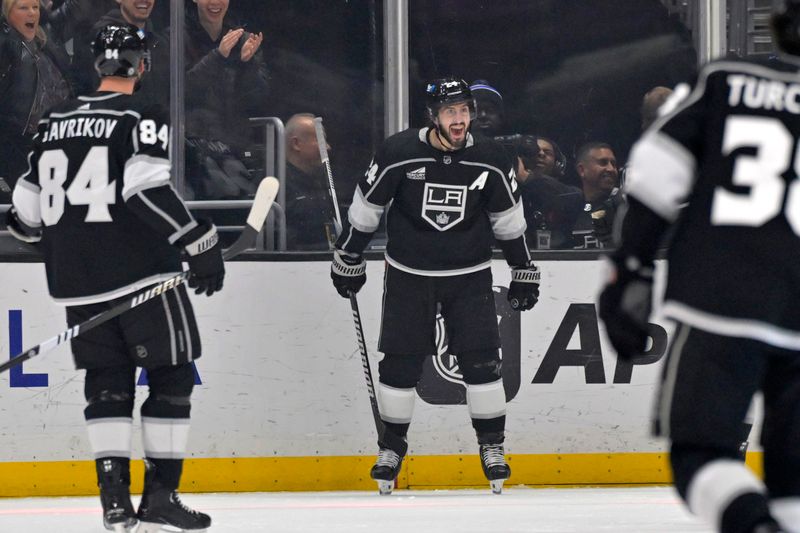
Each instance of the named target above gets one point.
<point>497,485</point>
<point>151,527</point>
<point>385,487</point>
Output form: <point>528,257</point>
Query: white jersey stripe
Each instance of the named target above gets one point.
<point>661,174</point>
<point>363,215</point>
<point>733,327</point>
<point>439,273</point>
<point>509,224</point>
<point>27,202</point>
<point>144,172</point>
<point>390,167</point>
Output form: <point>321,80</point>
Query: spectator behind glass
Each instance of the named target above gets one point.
<point>226,84</point>
<point>309,211</point>
<point>597,168</point>
<point>651,103</point>
<point>68,19</point>
<point>155,85</point>
<point>33,78</point>
<point>550,207</point>
<point>489,112</point>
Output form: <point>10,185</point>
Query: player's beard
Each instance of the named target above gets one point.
<point>443,134</point>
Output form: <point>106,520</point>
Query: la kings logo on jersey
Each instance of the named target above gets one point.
<point>443,205</point>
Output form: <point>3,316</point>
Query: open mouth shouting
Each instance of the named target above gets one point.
<point>457,132</point>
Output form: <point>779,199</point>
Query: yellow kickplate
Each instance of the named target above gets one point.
<point>260,474</point>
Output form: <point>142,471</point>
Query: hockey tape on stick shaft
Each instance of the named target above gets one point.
<point>326,162</point>
<point>265,196</point>
<point>394,442</point>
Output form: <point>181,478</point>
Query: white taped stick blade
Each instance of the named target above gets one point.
<point>265,196</point>
<point>321,141</point>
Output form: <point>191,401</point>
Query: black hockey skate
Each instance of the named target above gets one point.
<point>118,513</point>
<point>161,507</point>
<point>386,469</point>
<point>494,466</point>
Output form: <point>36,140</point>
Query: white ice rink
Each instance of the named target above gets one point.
<point>629,510</point>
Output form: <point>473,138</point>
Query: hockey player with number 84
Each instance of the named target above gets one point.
<point>97,198</point>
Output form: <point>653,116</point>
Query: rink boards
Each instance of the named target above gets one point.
<point>281,401</point>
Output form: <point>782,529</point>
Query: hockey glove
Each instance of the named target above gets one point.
<point>204,255</point>
<point>625,305</point>
<point>19,230</point>
<point>523,293</point>
<point>348,272</point>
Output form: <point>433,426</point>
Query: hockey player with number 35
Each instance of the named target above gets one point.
<point>730,153</point>
<point>449,197</point>
<point>97,197</point>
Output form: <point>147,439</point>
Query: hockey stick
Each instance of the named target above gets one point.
<point>396,443</point>
<point>265,196</point>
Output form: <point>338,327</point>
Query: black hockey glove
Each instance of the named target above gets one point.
<point>348,272</point>
<point>523,293</point>
<point>204,255</point>
<point>20,230</point>
<point>625,305</point>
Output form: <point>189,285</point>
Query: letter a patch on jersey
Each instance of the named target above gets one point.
<point>480,181</point>
<point>443,205</point>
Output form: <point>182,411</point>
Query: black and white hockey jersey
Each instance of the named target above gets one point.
<point>98,185</point>
<point>444,208</point>
<point>729,152</point>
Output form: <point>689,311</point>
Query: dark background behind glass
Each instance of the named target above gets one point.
<point>573,70</point>
<point>325,58</point>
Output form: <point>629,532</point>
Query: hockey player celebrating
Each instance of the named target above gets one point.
<point>731,150</point>
<point>97,196</point>
<point>451,196</point>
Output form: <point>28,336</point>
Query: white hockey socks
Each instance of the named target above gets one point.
<point>165,438</point>
<point>396,405</point>
<point>486,401</point>
<point>110,437</point>
<point>716,485</point>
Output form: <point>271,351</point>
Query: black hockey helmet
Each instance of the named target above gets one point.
<point>785,25</point>
<point>118,50</point>
<point>447,91</point>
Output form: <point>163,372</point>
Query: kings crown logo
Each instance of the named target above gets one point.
<point>442,219</point>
